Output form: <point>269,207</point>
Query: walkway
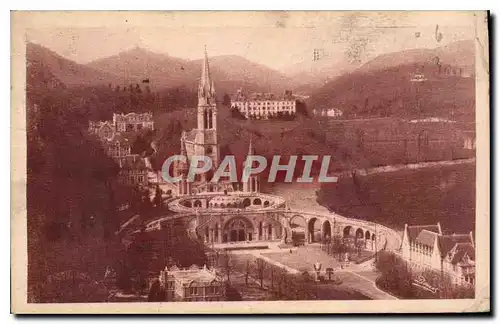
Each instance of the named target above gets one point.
<point>359,277</point>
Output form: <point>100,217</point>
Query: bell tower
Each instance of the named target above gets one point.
<point>206,139</point>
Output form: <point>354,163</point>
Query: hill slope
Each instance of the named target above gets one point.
<point>68,72</point>
<point>229,72</point>
<point>457,54</point>
<point>384,86</point>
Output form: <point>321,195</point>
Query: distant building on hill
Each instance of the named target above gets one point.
<point>133,170</point>
<point>469,138</point>
<point>425,247</point>
<point>117,139</point>
<point>192,284</point>
<point>122,123</point>
<point>332,112</point>
<point>418,77</point>
<point>264,105</point>
<point>133,121</point>
<point>118,146</point>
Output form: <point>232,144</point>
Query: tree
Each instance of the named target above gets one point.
<point>226,264</point>
<point>260,268</point>
<point>396,276</point>
<point>226,100</point>
<point>156,292</point>
<point>236,114</point>
<point>301,108</point>
<point>158,197</point>
<point>248,269</point>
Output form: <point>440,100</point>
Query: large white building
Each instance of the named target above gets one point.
<point>264,105</point>
<point>425,247</point>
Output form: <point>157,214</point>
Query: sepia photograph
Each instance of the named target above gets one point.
<point>282,161</point>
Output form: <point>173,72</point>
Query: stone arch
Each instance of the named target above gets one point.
<point>312,229</point>
<point>257,201</point>
<point>197,203</point>
<point>298,227</point>
<point>238,229</point>
<point>373,237</point>
<point>216,205</point>
<point>359,233</point>
<point>327,229</point>
<point>187,203</point>
<point>222,205</point>
<point>247,202</point>
<point>348,231</point>
<point>367,235</point>
<point>266,203</point>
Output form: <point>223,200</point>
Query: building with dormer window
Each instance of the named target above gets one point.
<point>425,247</point>
<point>192,284</point>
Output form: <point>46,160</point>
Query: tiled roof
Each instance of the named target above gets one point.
<point>448,242</point>
<point>460,250</point>
<point>426,238</point>
<point>414,231</point>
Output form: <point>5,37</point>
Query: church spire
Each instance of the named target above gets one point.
<point>250,147</point>
<point>206,88</point>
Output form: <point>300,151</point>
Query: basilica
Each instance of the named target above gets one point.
<point>203,141</point>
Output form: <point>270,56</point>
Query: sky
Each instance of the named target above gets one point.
<point>276,39</point>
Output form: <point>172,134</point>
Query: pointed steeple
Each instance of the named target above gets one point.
<point>250,148</point>
<point>206,89</point>
<point>251,151</point>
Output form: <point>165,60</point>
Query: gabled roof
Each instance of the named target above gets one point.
<point>426,238</point>
<point>460,250</point>
<point>414,230</point>
<point>447,242</point>
<point>121,139</point>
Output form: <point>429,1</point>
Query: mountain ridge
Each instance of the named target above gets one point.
<point>67,71</point>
